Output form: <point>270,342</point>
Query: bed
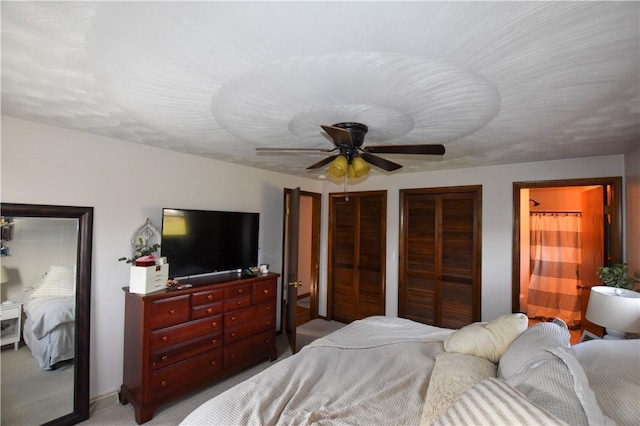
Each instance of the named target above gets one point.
<point>49,327</point>
<point>383,370</point>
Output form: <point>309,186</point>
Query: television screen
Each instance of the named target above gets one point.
<point>198,242</point>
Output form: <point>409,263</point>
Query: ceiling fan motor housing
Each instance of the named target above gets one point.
<point>356,130</point>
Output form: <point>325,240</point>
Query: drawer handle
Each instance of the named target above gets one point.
<point>268,322</point>
<point>164,383</point>
<point>209,296</point>
<point>213,363</point>
<point>240,291</point>
<point>232,355</point>
<point>214,324</point>
<point>209,310</point>
<point>266,340</point>
<point>172,312</point>
<point>233,318</point>
<point>214,341</point>
<point>165,358</point>
<point>268,308</point>
<point>239,302</point>
<point>265,291</point>
<point>233,334</point>
<point>165,338</point>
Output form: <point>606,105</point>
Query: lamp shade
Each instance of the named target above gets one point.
<point>338,167</point>
<point>614,308</point>
<point>360,167</point>
<point>4,276</point>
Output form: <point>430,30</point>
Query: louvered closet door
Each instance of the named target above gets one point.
<point>357,244</point>
<point>440,258</point>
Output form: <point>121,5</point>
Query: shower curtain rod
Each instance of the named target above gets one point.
<point>554,212</point>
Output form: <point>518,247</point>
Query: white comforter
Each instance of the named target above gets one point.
<point>47,313</point>
<point>301,389</point>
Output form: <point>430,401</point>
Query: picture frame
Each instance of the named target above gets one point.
<point>587,335</point>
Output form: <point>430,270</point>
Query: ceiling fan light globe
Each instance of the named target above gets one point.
<point>338,168</point>
<point>360,167</point>
<point>351,173</point>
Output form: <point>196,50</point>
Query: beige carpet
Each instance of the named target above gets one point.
<point>173,413</point>
<point>31,395</point>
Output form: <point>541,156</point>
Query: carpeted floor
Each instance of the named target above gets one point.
<point>173,413</point>
<point>31,395</point>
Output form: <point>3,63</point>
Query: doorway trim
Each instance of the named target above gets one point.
<point>615,237</point>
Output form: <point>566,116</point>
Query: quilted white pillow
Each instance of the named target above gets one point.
<point>487,340</point>
<point>453,374</point>
<point>59,281</point>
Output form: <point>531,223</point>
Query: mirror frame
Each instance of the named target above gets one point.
<point>83,297</point>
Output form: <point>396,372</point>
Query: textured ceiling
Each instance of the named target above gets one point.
<point>495,82</point>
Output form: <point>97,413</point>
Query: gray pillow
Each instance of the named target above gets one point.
<point>530,348</point>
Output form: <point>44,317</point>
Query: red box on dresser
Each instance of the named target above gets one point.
<point>178,341</point>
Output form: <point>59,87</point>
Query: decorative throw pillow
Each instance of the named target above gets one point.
<point>493,402</point>
<point>487,340</point>
<point>59,281</point>
<point>453,374</point>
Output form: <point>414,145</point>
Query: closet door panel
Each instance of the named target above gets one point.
<point>371,256</point>
<point>344,261</point>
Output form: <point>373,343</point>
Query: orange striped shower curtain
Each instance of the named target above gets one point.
<point>556,256</point>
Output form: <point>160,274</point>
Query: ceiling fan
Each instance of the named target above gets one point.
<point>351,156</point>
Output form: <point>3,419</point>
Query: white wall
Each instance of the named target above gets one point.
<point>632,173</point>
<point>126,183</point>
<point>497,217</point>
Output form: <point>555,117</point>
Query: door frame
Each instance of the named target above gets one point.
<point>316,212</point>
<point>615,236</point>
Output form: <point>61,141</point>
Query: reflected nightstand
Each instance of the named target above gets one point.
<point>11,320</point>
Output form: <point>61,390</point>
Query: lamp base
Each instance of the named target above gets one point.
<point>613,334</point>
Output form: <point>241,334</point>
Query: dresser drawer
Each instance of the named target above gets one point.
<point>163,358</point>
<point>181,333</point>
<point>237,291</point>
<point>237,303</point>
<point>265,310</point>
<point>253,348</point>
<point>170,311</point>
<point>247,328</point>
<point>207,297</point>
<point>206,310</point>
<point>171,380</point>
<point>264,291</point>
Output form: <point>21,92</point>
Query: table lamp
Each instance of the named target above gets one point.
<point>616,309</point>
<point>4,276</point>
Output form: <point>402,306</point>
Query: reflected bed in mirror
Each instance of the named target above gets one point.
<point>45,377</point>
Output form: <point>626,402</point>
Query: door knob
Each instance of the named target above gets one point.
<point>296,284</point>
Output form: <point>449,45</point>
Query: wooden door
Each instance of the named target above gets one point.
<point>593,210</point>
<point>292,224</point>
<point>440,241</point>
<point>357,247</point>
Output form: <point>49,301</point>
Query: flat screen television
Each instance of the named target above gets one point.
<point>201,242</point>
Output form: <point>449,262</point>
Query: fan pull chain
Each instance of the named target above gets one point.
<point>346,188</point>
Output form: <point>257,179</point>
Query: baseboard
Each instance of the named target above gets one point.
<point>103,401</point>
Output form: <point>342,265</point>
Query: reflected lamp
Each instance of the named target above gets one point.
<point>615,309</point>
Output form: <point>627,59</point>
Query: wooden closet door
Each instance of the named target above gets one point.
<point>357,247</point>
<point>440,256</point>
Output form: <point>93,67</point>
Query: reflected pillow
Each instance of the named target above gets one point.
<point>59,281</point>
<point>488,340</point>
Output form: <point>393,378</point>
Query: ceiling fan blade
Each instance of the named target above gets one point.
<point>339,136</point>
<point>322,162</point>
<point>433,149</point>
<point>294,149</point>
<point>380,162</point>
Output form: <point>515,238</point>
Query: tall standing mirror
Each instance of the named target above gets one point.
<point>46,296</point>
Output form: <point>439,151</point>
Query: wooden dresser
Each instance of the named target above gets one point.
<point>178,341</point>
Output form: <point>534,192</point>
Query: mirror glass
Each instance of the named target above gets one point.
<point>46,279</point>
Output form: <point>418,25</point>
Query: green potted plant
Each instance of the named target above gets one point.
<point>617,275</point>
<point>140,250</point>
